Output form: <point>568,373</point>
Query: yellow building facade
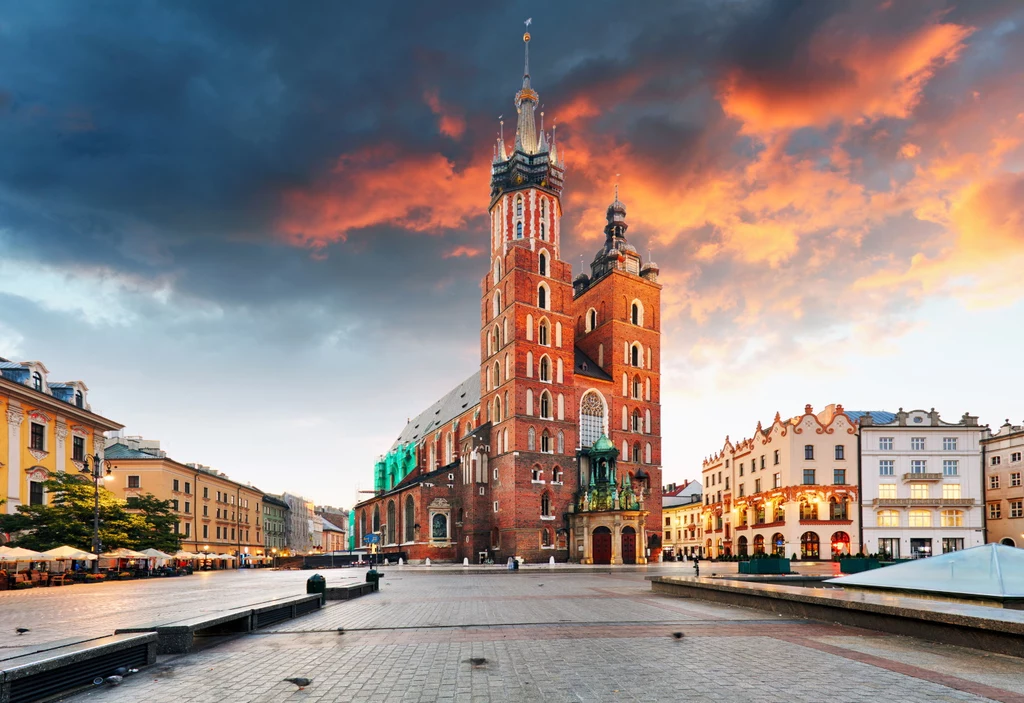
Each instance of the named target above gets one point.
<point>215,514</point>
<point>50,429</point>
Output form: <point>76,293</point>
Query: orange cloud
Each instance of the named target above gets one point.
<point>451,124</point>
<point>850,77</point>
<point>462,250</point>
<point>383,186</point>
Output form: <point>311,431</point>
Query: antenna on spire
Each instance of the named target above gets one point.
<point>617,186</point>
<point>526,42</point>
<point>501,127</point>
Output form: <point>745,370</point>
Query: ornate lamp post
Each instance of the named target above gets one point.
<point>93,466</point>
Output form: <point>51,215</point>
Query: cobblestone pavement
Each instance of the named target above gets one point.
<point>564,637</point>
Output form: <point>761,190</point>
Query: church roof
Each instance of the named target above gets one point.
<point>988,570</point>
<point>455,402</point>
<point>583,365</point>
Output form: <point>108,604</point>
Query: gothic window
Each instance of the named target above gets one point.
<point>647,454</point>
<point>505,441</point>
<point>497,304</point>
<point>519,230</point>
<point>529,364</point>
<point>636,452</point>
<point>497,270</point>
<point>439,526</point>
<point>636,313</point>
<point>410,519</point>
<point>545,504</point>
<point>448,449</point>
<point>558,335</point>
<point>561,402</point>
<point>497,374</point>
<point>529,328</point>
<point>542,297</point>
<point>531,439</point>
<point>647,421</point>
<point>636,356</point>
<point>542,333</point>
<point>545,405</point>
<point>508,406</point>
<point>392,519</point>
<point>529,401</point>
<point>497,409</point>
<point>636,387</point>
<point>545,368</point>
<point>545,537</point>
<point>508,366</point>
<point>543,232</point>
<point>591,319</point>
<point>561,448</point>
<point>543,208</point>
<point>637,422</point>
<point>519,206</point>
<point>376,518</point>
<point>545,442</point>
<point>647,388</point>
<point>543,268</point>
<point>591,418</point>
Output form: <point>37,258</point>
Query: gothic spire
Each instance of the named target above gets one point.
<point>526,103</point>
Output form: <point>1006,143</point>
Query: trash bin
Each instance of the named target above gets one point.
<point>373,576</point>
<point>515,564</point>
<point>317,584</point>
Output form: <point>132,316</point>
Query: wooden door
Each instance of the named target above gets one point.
<point>601,545</point>
<point>628,545</point>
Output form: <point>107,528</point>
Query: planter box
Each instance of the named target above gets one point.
<point>855,565</point>
<point>768,565</point>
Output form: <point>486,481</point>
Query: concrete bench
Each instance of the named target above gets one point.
<point>276,611</point>
<point>30,674</point>
<point>349,592</point>
<point>179,636</point>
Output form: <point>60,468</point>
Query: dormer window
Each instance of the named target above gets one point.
<point>37,381</point>
<point>79,401</point>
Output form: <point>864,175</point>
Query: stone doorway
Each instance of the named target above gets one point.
<point>628,545</point>
<point>602,545</point>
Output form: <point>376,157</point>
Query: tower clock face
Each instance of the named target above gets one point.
<point>519,178</point>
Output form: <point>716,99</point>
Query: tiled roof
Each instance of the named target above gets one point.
<point>464,396</point>
<point>881,417</point>
<point>120,451</point>
<point>585,366</point>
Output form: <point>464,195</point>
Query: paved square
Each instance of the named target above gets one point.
<point>564,637</point>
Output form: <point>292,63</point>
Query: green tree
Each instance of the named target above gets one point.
<point>68,519</point>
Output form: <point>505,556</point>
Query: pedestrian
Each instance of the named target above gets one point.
<point>696,565</point>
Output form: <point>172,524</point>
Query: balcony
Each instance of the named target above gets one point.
<point>923,502</point>
<point>922,477</point>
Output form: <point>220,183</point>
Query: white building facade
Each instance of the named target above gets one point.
<point>921,483</point>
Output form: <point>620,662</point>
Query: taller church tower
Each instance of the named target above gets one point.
<point>526,344</point>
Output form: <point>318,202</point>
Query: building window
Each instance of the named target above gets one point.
<point>175,486</point>
<point>742,490</point>
<point>919,490</point>
<point>886,467</point>
<point>37,381</point>
<point>995,511</point>
<point>949,444</point>
<point>837,509</point>
<point>951,518</point>
<point>920,518</point>
<point>206,511</point>
<point>888,518</point>
<point>206,493</point>
<point>839,477</point>
<point>808,510</point>
<point>542,333</point>
<point>519,206</point>
<point>37,437</point>
<point>545,505</point>
<point>35,493</point>
<point>495,506</point>
<point>1015,479</point>
<point>952,544</point>
<point>543,258</point>
<point>78,448</point>
<point>776,456</point>
<point>174,505</point>
<point>545,442</point>
<point>188,507</point>
<point>636,314</point>
<point>809,477</point>
<point>757,485</point>
<point>808,452</point>
<point>776,480</point>
<point>889,547</point>
<point>542,297</point>
<point>887,490</point>
<point>885,444</point>
<point>951,491</point>
<point>918,466</point>
<point>917,444</point>
<point>809,545</point>
<point>79,400</point>
<point>134,482</point>
<point>840,452</point>
<point>993,482</point>
<point>206,532</point>
<point>1017,508</point>
<point>741,468</point>
<point>635,356</point>
<point>1015,457</point>
<point>950,467</point>
<point>995,461</point>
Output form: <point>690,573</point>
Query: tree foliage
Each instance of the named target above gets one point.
<point>68,519</point>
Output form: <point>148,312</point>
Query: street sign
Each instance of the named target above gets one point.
<point>371,539</point>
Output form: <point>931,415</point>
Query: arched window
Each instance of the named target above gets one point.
<point>545,536</point>
<point>410,519</point>
<point>556,473</point>
<point>758,544</point>
<point>542,333</point>
<point>497,270</point>
<point>591,319</point>
<point>37,380</point>
<point>636,356</point>
<point>808,510</point>
<point>545,368</point>
<point>505,441</point>
<point>392,519</point>
<point>558,334</point>
<point>837,509</point>
<point>779,512</point>
<point>543,233</point>
<point>636,452</point>
<point>840,544</point>
<point>529,328</point>
<point>509,408</point>
<point>778,544</point>
<point>647,421</point>
<point>531,440</point>
<point>508,366</point>
<point>543,267</point>
<point>497,409</point>
<point>542,297</point>
<point>561,398</point>
<point>78,399</point>
<point>647,454</point>
<point>497,374</point>
<point>519,230</point>
<point>496,339</point>
<point>449,449</point>
<point>741,546</point>
<point>529,364</point>
<point>561,447</point>
<point>759,513</point>
<point>545,504</point>
<point>439,526</point>
<point>647,388</point>
<point>545,405</point>
<point>376,518</point>
<point>543,208</point>
<point>529,401</point>
<point>636,313</point>
<point>920,518</point>
<point>809,545</point>
<point>497,304</point>
<point>545,442</point>
<point>637,424</point>
<point>591,418</point>
<point>636,387</point>
<point>519,206</point>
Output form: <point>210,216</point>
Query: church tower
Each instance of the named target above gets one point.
<point>526,344</point>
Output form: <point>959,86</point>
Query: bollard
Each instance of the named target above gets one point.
<point>400,561</point>
<point>427,562</point>
<point>465,561</point>
<point>551,561</point>
<point>387,562</point>
<point>510,562</point>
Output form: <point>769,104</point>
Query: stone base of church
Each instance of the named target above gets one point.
<point>608,537</point>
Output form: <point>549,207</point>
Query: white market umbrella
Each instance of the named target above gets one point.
<point>123,553</point>
<point>155,554</point>
<point>20,554</point>
<point>223,556</point>
<point>185,555</point>
<point>64,553</point>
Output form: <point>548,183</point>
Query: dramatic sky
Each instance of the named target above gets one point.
<point>257,230</point>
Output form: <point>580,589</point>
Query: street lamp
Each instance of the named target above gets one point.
<point>93,466</point>
<point>273,558</point>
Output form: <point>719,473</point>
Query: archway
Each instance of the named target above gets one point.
<point>810,545</point>
<point>601,545</point>
<point>758,544</point>
<point>1007,542</point>
<point>741,546</point>
<point>778,544</point>
<point>628,545</point>
<point>840,544</point>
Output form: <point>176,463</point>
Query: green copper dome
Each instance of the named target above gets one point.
<point>603,444</point>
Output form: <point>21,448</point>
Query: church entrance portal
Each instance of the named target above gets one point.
<point>602,546</point>
<point>628,545</point>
